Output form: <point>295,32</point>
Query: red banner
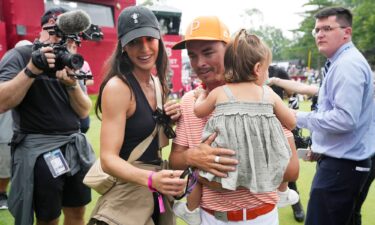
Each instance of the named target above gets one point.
<point>3,43</point>
<point>175,61</point>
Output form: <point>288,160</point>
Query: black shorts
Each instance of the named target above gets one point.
<point>51,194</point>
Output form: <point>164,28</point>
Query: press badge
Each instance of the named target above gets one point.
<point>56,163</point>
<point>362,169</point>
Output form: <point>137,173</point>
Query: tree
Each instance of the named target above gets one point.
<point>274,38</point>
<point>147,3</point>
<point>252,17</point>
<point>363,27</point>
<point>304,44</point>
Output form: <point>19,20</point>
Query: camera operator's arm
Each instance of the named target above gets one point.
<point>14,90</point>
<point>79,101</point>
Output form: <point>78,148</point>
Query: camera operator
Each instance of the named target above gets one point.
<point>49,155</point>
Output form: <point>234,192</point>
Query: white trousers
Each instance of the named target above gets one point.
<point>271,218</point>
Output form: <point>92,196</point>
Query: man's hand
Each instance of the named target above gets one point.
<point>311,156</point>
<point>42,59</point>
<point>63,77</point>
<point>218,161</point>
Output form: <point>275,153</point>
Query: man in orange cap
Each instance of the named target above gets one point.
<point>205,41</point>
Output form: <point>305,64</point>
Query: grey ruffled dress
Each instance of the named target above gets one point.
<point>254,132</point>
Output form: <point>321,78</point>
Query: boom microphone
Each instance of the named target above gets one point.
<point>73,22</point>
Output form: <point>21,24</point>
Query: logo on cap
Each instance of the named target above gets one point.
<point>195,25</point>
<point>135,16</point>
<point>226,34</point>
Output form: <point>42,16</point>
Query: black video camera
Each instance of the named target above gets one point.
<point>70,25</point>
<point>63,58</point>
<point>299,140</point>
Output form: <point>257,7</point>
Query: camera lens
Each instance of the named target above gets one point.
<point>73,61</point>
<point>76,61</point>
<point>65,58</point>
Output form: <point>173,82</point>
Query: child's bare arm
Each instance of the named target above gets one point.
<point>283,113</point>
<point>205,103</point>
<point>294,86</point>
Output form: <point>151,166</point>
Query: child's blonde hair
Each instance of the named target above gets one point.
<point>242,54</point>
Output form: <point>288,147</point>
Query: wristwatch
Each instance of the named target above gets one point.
<point>29,73</point>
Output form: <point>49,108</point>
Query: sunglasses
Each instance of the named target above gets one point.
<point>192,179</point>
<point>164,120</point>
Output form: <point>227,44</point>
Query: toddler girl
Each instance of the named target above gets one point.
<point>247,117</point>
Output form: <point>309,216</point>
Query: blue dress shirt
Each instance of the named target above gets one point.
<point>343,125</point>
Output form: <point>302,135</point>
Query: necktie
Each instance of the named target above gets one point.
<point>314,104</point>
<point>326,67</point>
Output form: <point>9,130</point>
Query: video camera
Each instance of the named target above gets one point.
<point>299,139</point>
<point>63,58</point>
<point>70,25</point>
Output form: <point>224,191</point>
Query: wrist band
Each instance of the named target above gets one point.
<point>149,183</point>
<point>29,73</point>
<point>160,197</point>
<point>71,87</point>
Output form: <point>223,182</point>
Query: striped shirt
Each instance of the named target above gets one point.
<point>189,131</point>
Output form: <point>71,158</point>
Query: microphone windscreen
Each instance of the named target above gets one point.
<point>73,22</point>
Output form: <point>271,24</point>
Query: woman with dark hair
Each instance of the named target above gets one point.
<point>127,104</point>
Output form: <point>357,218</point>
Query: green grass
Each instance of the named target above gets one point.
<point>307,171</point>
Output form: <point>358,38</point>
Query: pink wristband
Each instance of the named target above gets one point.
<point>160,197</point>
<point>149,183</point>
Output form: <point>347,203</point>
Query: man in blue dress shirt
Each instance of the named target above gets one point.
<point>343,126</point>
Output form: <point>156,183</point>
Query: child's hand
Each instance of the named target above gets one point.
<point>199,91</point>
<point>272,81</point>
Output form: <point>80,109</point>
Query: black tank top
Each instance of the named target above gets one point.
<point>139,126</point>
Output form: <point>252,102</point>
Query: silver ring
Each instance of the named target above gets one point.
<point>217,159</point>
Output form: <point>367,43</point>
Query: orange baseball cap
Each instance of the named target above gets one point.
<point>207,28</point>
